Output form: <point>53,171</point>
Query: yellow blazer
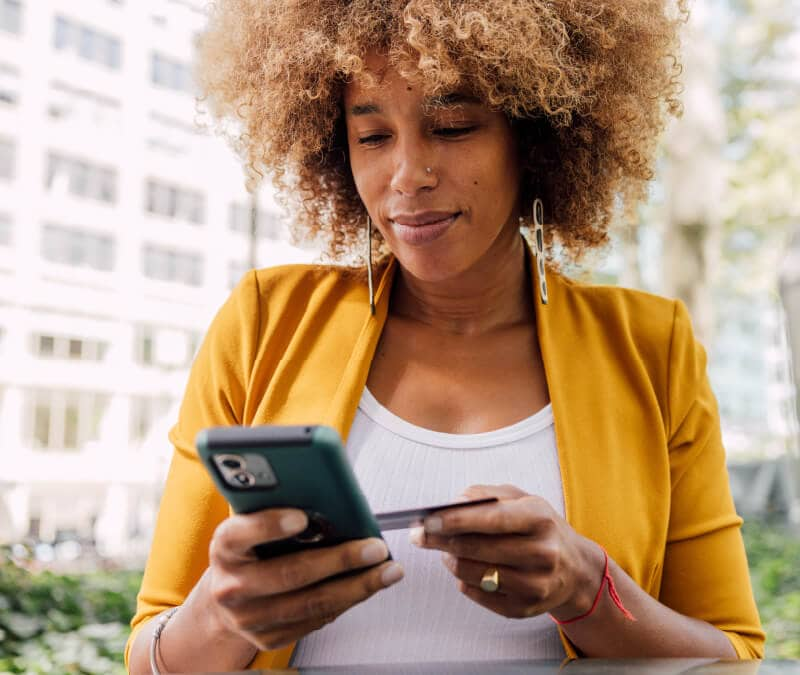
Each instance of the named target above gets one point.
<point>636,425</point>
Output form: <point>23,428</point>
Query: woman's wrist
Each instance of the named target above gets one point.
<point>215,627</point>
<point>587,580</point>
<point>197,639</point>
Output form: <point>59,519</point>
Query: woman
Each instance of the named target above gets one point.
<point>471,368</point>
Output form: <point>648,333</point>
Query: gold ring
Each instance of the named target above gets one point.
<point>490,581</point>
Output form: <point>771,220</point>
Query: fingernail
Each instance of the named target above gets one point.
<point>448,560</point>
<point>294,522</point>
<point>392,574</point>
<point>374,552</point>
<point>433,524</point>
<point>417,536</point>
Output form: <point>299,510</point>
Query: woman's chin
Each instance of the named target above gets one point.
<point>429,268</point>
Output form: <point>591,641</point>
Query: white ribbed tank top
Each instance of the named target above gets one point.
<point>424,617</point>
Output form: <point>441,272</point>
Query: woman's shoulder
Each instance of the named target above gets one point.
<point>274,285</point>
<point>624,303</point>
<point>276,294</point>
<point>640,318</point>
<point>640,331</point>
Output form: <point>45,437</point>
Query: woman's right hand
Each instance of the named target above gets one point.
<point>271,603</point>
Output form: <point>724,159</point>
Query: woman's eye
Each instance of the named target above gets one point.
<point>453,132</point>
<point>372,139</point>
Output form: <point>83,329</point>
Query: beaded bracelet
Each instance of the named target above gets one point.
<point>612,591</point>
<point>159,627</point>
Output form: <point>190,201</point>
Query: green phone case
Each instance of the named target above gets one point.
<point>312,474</point>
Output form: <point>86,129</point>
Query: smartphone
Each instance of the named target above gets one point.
<point>302,467</point>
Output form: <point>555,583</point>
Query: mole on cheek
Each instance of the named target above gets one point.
<point>409,89</point>
<point>475,183</point>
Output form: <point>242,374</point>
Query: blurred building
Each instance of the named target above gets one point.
<point>122,229</point>
<point>750,367</point>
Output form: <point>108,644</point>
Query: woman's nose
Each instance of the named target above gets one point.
<point>413,170</point>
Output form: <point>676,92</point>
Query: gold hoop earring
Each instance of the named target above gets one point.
<point>538,250</point>
<point>369,266</point>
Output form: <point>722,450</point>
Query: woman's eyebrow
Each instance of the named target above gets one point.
<point>451,100</point>
<point>443,101</point>
<point>364,109</point>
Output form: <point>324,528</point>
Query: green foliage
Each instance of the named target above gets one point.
<point>774,557</point>
<point>64,623</point>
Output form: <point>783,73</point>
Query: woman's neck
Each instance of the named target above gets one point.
<point>493,293</point>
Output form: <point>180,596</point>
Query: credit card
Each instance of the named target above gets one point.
<point>399,520</point>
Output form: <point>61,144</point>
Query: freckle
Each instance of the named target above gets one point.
<point>408,89</point>
<point>475,183</point>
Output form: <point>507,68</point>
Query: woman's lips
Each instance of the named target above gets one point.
<point>423,233</point>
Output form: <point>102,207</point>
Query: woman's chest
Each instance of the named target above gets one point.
<point>400,466</point>
<point>459,384</point>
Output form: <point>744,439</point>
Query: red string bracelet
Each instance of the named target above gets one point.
<point>612,591</point>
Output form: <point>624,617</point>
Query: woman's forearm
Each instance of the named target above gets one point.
<point>191,642</point>
<point>657,632</point>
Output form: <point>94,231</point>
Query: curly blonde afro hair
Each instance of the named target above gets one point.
<point>585,83</point>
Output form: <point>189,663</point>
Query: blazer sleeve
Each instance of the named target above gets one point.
<point>705,572</point>
<point>191,507</point>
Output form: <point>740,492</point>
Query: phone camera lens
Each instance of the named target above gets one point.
<point>232,464</point>
<point>244,479</point>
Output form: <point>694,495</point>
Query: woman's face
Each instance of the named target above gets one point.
<point>439,177</point>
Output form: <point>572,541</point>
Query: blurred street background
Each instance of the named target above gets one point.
<point>124,224</point>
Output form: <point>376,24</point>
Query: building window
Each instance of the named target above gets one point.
<point>145,413</point>
<point>11,16</point>
<point>75,349</point>
<point>170,74</point>
<point>5,229</point>
<point>8,159</point>
<point>65,347</point>
<point>267,224</point>
<point>81,178</point>
<point>8,97</point>
<point>41,425</point>
<point>71,425</point>
<point>63,420</point>
<point>46,345</point>
<point>166,348</point>
<point>65,101</point>
<point>77,248</point>
<point>143,346</point>
<point>166,264</point>
<point>170,201</point>
<point>9,84</point>
<point>87,43</point>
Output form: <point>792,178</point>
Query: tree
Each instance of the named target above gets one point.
<point>694,179</point>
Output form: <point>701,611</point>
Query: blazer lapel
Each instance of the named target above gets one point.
<point>562,372</point>
<point>344,402</point>
<point>603,431</point>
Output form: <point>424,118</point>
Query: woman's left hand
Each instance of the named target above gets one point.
<point>543,564</point>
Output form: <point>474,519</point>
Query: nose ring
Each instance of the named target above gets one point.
<point>428,169</point>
